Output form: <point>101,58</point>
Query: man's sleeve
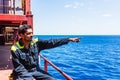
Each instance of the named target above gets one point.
<point>18,67</point>
<point>46,44</point>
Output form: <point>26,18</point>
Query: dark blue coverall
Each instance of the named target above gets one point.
<point>25,60</point>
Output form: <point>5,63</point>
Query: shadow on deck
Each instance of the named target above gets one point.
<point>5,62</point>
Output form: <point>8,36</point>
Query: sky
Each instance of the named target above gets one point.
<point>76,17</point>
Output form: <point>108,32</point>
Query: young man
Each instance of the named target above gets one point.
<point>25,54</point>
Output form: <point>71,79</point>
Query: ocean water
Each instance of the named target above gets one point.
<point>93,58</point>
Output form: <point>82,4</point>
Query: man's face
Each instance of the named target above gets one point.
<point>28,35</point>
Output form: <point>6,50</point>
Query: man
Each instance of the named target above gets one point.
<point>25,54</point>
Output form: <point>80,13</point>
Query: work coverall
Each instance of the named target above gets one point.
<point>25,61</point>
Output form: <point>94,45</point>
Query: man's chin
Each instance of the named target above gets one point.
<point>29,40</point>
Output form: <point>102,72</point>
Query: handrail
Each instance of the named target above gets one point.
<point>46,62</point>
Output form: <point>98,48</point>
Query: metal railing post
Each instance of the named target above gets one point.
<point>45,66</point>
<point>46,62</point>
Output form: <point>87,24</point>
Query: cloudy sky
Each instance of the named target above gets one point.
<point>76,17</point>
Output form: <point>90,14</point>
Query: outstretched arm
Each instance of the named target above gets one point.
<point>46,44</point>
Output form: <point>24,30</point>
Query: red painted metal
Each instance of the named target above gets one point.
<point>27,8</point>
<point>46,68</point>
<point>8,17</point>
<point>27,17</point>
<point>30,19</point>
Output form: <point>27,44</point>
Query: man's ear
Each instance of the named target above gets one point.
<point>21,35</point>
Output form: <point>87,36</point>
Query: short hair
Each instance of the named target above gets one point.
<point>22,28</point>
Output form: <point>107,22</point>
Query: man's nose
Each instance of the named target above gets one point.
<point>31,34</point>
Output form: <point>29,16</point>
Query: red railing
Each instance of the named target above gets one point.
<point>46,62</point>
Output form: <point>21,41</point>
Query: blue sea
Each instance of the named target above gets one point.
<point>95,57</point>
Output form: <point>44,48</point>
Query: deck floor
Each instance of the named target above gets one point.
<point>4,74</point>
<point>5,62</point>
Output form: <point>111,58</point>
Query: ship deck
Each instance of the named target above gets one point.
<point>5,62</point>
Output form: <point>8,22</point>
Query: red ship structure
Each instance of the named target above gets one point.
<point>14,13</point>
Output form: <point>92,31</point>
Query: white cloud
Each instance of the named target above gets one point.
<point>106,15</point>
<point>74,5</point>
<point>68,6</point>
